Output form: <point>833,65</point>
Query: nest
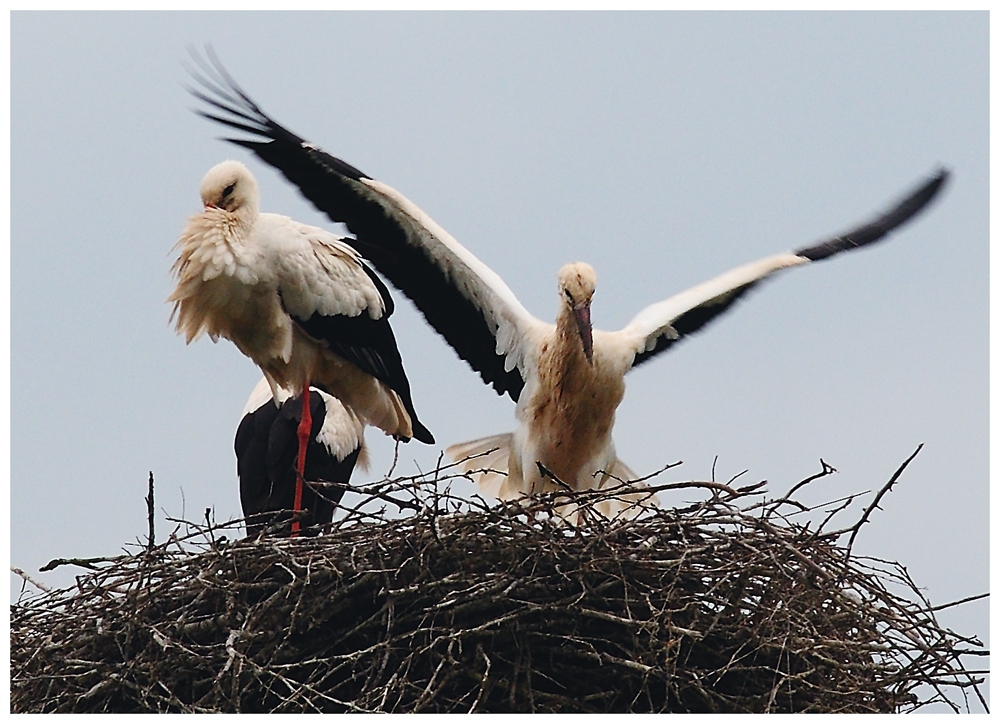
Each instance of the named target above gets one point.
<point>725,605</point>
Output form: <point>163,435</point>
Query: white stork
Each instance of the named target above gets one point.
<point>266,450</point>
<point>566,379</point>
<point>296,300</point>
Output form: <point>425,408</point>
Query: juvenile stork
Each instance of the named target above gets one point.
<point>294,299</point>
<point>266,449</point>
<point>566,378</point>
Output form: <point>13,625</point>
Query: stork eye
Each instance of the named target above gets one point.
<point>229,189</point>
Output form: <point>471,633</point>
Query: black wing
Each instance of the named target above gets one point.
<point>266,451</point>
<point>389,237</point>
<point>869,233</point>
<point>251,465</point>
<point>370,345</point>
<point>669,322</point>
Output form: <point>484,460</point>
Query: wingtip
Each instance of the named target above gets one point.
<point>915,202</point>
<point>930,189</point>
<point>940,179</point>
<point>422,434</point>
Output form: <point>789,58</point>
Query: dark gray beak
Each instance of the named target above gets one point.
<point>582,317</point>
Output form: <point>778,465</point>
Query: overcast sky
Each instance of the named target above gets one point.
<point>661,148</point>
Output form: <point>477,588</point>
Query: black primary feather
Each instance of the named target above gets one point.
<point>334,187</point>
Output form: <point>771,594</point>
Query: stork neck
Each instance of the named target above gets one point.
<point>244,218</point>
<point>235,225</point>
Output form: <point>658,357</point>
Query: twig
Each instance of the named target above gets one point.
<point>652,475</point>
<point>395,460</point>
<point>82,562</point>
<point>29,579</point>
<point>969,599</point>
<point>827,469</point>
<point>878,497</point>
<point>151,537</point>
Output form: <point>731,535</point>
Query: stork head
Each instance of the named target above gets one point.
<point>577,282</point>
<point>230,186</point>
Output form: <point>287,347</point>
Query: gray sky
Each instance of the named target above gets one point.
<point>661,148</point>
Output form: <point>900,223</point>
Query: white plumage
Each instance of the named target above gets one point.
<point>340,433</point>
<point>567,379</point>
<point>293,298</point>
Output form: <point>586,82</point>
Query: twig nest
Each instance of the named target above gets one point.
<point>724,606</point>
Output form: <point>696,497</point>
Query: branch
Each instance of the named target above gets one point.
<point>29,579</point>
<point>151,538</point>
<point>827,470</point>
<point>885,489</point>
<point>82,562</point>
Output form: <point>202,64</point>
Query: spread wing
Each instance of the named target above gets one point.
<point>659,326</point>
<point>465,301</point>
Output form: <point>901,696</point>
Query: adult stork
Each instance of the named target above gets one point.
<point>267,447</point>
<point>566,378</point>
<point>297,301</point>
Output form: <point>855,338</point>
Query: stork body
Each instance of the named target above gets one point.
<point>293,298</point>
<point>297,301</point>
<point>566,378</point>
<point>574,382</point>
<point>266,448</point>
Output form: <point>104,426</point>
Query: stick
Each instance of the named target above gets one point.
<point>885,489</point>
<point>29,579</point>
<point>151,538</point>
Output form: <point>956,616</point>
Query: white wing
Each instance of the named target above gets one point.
<point>316,272</point>
<point>657,327</point>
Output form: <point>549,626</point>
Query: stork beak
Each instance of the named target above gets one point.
<point>582,317</point>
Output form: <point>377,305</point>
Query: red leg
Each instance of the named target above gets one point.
<point>305,427</point>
